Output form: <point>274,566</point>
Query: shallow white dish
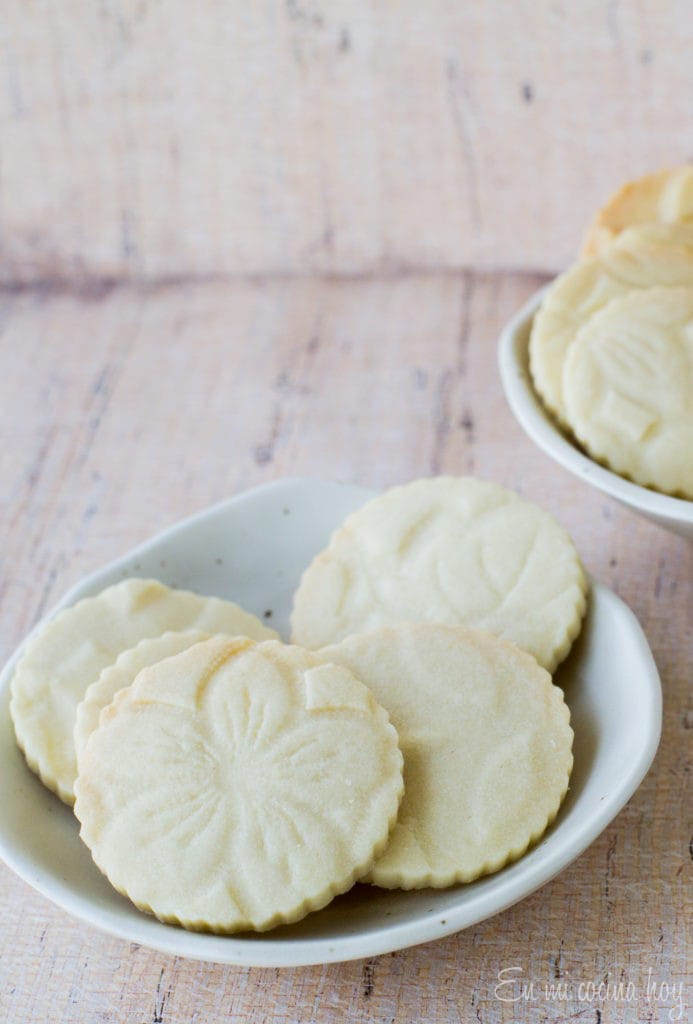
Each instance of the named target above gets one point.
<point>513,354</point>
<point>253,549</point>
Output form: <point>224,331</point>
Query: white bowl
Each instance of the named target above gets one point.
<point>513,354</point>
<point>253,549</point>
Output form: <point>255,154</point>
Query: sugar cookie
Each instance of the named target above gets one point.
<point>69,652</point>
<point>448,549</point>
<point>628,386</point>
<point>641,257</point>
<point>666,196</point>
<point>486,742</point>
<point>239,785</point>
<point>122,673</point>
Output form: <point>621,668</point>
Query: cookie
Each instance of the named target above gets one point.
<point>628,387</point>
<point>486,742</point>
<point>641,257</point>
<point>666,197</point>
<point>67,654</point>
<point>449,549</point>
<point>122,673</point>
<point>239,785</point>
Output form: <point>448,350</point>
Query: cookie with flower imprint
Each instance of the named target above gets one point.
<point>239,785</point>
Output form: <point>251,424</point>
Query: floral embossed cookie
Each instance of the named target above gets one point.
<point>628,386</point>
<point>70,651</point>
<point>239,785</point>
<point>454,550</point>
<point>486,742</point>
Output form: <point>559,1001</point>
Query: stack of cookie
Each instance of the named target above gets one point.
<point>410,736</point>
<point>611,348</point>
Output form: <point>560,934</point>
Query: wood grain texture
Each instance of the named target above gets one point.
<point>153,139</point>
<point>126,408</point>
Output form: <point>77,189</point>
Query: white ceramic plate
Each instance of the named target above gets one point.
<point>253,549</point>
<point>513,355</point>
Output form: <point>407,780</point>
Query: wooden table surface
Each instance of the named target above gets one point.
<point>125,408</point>
<point>336,136</point>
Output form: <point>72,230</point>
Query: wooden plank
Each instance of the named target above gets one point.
<point>153,140</point>
<point>131,407</point>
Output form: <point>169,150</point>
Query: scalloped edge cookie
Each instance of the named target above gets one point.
<point>271,782</point>
<point>487,747</point>
<point>455,550</point>
<point>628,385</point>
<point>641,257</point>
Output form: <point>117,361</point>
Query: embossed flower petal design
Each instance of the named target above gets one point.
<point>122,673</point>
<point>71,650</point>
<point>239,785</point>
